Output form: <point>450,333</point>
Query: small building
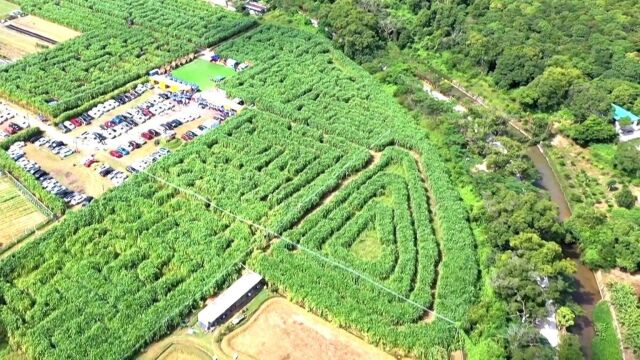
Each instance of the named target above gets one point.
<point>620,113</point>
<point>231,300</point>
<point>627,123</point>
<point>255,8</point>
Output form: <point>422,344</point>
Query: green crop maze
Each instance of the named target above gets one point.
<point>323,161</point>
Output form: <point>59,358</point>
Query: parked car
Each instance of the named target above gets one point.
<point>116,154</point>
<point>146,135</point>
<point>76,122</point>
<point>69,125</point>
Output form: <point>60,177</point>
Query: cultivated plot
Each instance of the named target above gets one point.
<point>19,215</point>
<point>326,159</point>
<point>30,34</point>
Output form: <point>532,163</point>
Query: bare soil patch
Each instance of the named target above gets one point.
<point>46,28</point>
<point>69,172</point>
<point>281,330</point>
<point>14,45</point>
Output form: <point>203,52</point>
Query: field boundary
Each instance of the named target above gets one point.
<point>45,210</point>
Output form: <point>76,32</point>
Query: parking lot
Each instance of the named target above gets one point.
<point>98,150</point>
<point>12,120</point>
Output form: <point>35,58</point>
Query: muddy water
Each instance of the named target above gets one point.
<point>587,293</point>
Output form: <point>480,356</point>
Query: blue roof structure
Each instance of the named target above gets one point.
<point>620,113</point>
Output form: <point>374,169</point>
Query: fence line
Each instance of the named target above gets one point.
<point>48,213</point>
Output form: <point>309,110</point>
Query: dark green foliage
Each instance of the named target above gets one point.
<point>627,160</point>
<point>569,348</point>
<point>593,130</point>
<point>606,243</point>
<point>625,198</point>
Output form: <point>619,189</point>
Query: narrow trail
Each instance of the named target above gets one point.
<point>327,197</point>
<point>428,316</point>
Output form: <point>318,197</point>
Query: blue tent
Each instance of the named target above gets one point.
<point>620,113</point>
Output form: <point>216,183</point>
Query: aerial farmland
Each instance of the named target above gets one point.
<point>187,179</point>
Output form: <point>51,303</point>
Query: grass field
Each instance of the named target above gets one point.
<point>6,8</point>
<point>605,344</point>
<point>46,28</point>
<point>18,214</point>
<point>367,246</point>
<point>282,330</point>
<point>14,45</point>
<point>202,73</point>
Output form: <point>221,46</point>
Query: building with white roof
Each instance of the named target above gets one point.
<point>231,300</point>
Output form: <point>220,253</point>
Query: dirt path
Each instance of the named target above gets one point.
<point>281,330</point>
<point>429,316</point>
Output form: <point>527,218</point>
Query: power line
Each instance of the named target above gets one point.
<point>299,246</point>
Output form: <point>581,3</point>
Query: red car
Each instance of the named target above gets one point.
<point>116,154</point>
<point>90,162</point>
<point>186,137</point>
<point>145,135</point>
<point>76,122</point>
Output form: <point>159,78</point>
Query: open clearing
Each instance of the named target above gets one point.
<point>202,73</point>
<point>281,330</point>
<point>46,28</point>
<point>6,8</point>
<point>14,45</point>
<point>18,214</point>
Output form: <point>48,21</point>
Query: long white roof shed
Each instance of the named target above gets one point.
<point>229,297</point>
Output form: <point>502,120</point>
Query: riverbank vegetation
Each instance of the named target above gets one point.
<point>606,345</point>
<point>627,305</point>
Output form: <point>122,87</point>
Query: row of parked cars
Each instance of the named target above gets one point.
<point>6,113</point>
<point>117,177</point>
<point>101,109</point>
<point>16,152</point>
<point>126,149</point>
<point>144,163</point>
<point>14,122</point>
<point>57,147</point>
<point>122,123</point>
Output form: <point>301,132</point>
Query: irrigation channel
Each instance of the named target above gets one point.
<point>587,293</point>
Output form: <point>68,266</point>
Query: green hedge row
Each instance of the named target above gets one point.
<point>24,135</point>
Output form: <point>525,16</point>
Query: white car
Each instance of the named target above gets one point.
<point>69,125</point>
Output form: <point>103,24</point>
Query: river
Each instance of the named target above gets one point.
<point>587,293</point>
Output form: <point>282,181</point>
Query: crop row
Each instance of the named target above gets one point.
<point>111,278</point>
<point>122,41</point>
<point>300,77</point>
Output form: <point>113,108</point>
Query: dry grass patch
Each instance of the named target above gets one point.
<point>14,45</point>
<point>46,28</point>
<point>281,330</point>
